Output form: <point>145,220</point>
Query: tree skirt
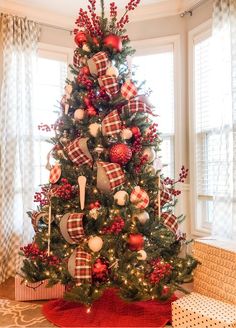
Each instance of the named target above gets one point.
<point>109,311</point>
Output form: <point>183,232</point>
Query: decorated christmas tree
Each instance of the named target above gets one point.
<point>106,219</point>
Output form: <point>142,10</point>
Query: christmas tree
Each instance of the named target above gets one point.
<point>106,218</point>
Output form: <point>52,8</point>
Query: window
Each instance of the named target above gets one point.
<point>203,129</point>
<point>51,73</point>
<point>154,63</point>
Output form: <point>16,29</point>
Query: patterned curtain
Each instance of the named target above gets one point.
<point>224,105</point>
<point>19,41</point>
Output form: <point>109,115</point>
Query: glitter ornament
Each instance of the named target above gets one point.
<point>120,153</point>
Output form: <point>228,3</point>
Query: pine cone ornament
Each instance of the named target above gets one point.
<point>120,153</point>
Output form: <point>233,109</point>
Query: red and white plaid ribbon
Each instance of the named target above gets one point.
<point>76,154</point>
<point>129,90</point>
<point>75,226</point>
<point>101,62</point>
<point>139,198</point>
<point>114,173</point>
<point>138,106</point>
<point>55,173</point>
<point>111,124</point>
<point>170,221</point>
<point>83,268</point>
<point>35,217</point>
<point>110,84</point>
<point>76,59</point>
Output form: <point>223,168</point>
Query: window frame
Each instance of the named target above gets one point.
<point>199,226</point>
<point>155,45</point>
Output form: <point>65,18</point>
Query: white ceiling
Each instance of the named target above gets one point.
<point>64,12</point>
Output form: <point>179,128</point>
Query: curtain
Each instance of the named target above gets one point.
<point>224,120</point>
<point>19,42</point>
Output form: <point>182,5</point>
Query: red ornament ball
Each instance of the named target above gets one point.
<point>135,241</point>
<point>136,131</point>
<point>84,70</point>
<point>114,42</point>
<point>91,111</point>
<point>80,38</point>
<point>120,153</point>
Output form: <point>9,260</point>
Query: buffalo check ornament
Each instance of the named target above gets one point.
<point>111,125</point>
<point>170,221</point>
<point>55,173</point>
<point>139,198</point>
<point>129,90</point>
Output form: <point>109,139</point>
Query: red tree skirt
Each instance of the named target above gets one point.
<point>109,311</point>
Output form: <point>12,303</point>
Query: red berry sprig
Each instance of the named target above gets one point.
<point>116,227</point>
<point>42,197</point>
<point>160,271</point>
<point>113,10</point>
<point>65,191</point>
<point>33,252</point>
<point>152,135</point>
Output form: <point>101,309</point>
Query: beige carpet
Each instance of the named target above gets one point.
<point>21,314</point>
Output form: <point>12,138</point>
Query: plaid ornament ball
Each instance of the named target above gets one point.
<point>111,124</point>
<point>139,198</point>
<point>110,84</point>
<point>170,221</point>
<point>98,64</point>
<point>129,90</point>
<point>113,173</point>
<point>78,152</point>
<point>75,226</point>
<point>55,173</point>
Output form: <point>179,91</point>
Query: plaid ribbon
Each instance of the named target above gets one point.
<point>139,198</point>
<point>76,154</point>
<point>112,124</point>
<point>170,221</point>
<point>35,217</point>
<point>136,105</point>
<point>55,173</point>
<point>83,269</point>
<point>75,226</point>
<point>166,197</point>
<point>110,84</point>
<point>101,62</point>
<point>114,173</point>
<point>128,90</point>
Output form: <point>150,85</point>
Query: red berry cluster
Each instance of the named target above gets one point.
<point>143,160</point>
<point>103,95</point>
<point>96,205</point>
<point>122,22</point>
<point>160,271</point>
<point>113,10</point>
<point>85,81</point>
<point>183,174</point>
<point>33,252</point>
<point>152,135</point>
<point>116,227</point>
<point>91,25</point>
<point>132,5</point>
<point>125,18</point>
<point>48,128</point>
<point>42,196</point>
<point>65,191</point>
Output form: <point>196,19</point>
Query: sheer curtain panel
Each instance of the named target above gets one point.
<point>224,117</point>
<point>19,42</point>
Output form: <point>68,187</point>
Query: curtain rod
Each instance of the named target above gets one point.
<point>190,10</point>
<point>55,27</point>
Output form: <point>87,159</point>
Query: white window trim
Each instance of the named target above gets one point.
<point>149,46</point>
<point>196,34</point>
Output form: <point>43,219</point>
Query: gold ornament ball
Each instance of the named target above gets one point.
<point>142,217</point>
<point>94,129</point>
<point>112,71</point>
<point>79,114</point>
<point>150,169</point>
<point>121,197</point>
<point>95,243</point>
<point>126,134</point>
<point>142,255</point>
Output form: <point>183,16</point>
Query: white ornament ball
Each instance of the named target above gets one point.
<point>94,128</point>
<point>86,47</point>
<point>126,134</point>
<point>112,71</point>
<point>150,153</point>
<point>95,243</point>
<point>79,114</point>
<point>142,217</point>
<point>142,255</point>
<point>121,197</point>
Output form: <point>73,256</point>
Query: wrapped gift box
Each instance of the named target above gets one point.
<point>216,276</point>
<point>36,291</point>
<point>196,310</point>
